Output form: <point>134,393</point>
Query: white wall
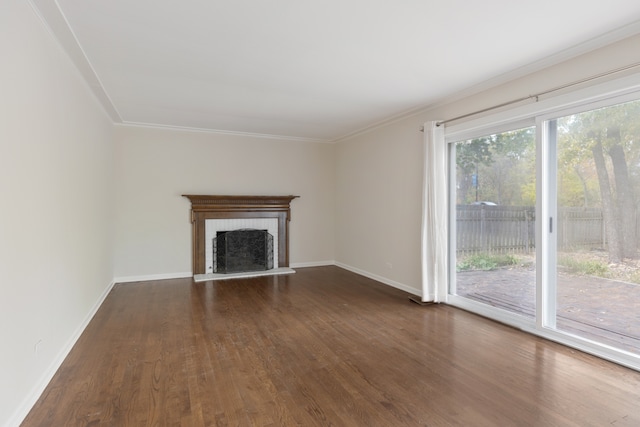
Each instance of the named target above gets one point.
<point>62,241</point>
<point>156,166</point>
<point>379,173</point>
<point>378,204</point>
<point>56,222</point>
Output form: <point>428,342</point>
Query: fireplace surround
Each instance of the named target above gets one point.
<point>205,207</point>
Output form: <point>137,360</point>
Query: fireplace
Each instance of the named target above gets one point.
<point>260,212</point>
<point>242,250</point>
<point>212,228</point>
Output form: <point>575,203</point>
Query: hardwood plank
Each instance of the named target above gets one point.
<point>320,347</point>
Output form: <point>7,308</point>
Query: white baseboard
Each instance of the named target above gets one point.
<point>381,279</point>
<point>23,409</point>
<point>228,276</point>
<point>165,276</point>
<point>312,264</point>
<point>144,278</point>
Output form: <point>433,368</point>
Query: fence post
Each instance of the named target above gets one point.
<point>483,242</point>
<point>527,240</point>
<point>604,230</point>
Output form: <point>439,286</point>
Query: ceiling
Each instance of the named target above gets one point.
<point>313,70</point>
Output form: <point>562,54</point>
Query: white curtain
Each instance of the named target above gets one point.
<point>434,215</point>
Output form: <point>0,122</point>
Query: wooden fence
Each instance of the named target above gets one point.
<point>511,229</point>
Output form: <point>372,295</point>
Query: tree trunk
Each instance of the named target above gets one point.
<point>608,207</point>
<point>624,197</point>
<point>585,190</point>
<point>463,187</point>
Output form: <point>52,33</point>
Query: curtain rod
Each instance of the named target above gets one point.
<point>537,95</point>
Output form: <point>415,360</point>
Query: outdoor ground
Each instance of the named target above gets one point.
<point>603,308</point>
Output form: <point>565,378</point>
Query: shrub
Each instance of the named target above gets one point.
<point>635,277</point>
<point>583,267</point>
<point>485,262</point>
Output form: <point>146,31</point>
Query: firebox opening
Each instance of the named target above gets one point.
<point>242,250</point>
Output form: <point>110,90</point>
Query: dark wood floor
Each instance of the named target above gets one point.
<point>320,347</point>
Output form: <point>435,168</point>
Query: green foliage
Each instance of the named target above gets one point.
<point>502,162</point>
<point>578,134</point>
<point>635,277</point>
<point>470,154</point>
<point>570,189</point>
<point>583,267</point>
<point>528,194</point>
<point>505,162</point>
<point>485,262</point>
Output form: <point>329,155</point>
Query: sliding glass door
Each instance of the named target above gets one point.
<point>546,226</point>
<point>597,288</point>
<point>495,220</point>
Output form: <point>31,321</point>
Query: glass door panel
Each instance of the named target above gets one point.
<point>495,220</point>
<point>598,190</point>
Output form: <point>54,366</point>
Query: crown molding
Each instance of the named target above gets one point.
<point>221,132</point>
<point>55,22</point>
<point>590,45</point>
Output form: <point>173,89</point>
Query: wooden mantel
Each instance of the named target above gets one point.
<point>205,207</point>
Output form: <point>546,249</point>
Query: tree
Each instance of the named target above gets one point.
<point>609,213</point>
<point>606,137</point>
<point>578,185</point>
<point>514,167</point>
<point>502,163</point>
<point>469,156</point>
